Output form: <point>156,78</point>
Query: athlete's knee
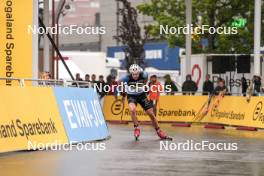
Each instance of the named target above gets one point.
<point>131,105</point>
<point>132,109</point>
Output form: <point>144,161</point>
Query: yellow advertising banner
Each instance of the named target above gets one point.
<point>29,118</point>
<point>116,110</point>
<point>238,112</point>
<point>228,110</point>
<point>15,41</point>
<point>179,108</point>
<point>170,109</point>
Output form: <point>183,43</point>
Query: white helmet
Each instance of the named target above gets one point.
<point>134,68</point>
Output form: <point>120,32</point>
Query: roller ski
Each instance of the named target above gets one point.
<point>137,133</point>
<point>163,136</point>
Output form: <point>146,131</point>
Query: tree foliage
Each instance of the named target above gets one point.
<point>130,35</point>
<point>215,13</point>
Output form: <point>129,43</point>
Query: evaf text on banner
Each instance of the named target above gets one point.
<point>82,114</point>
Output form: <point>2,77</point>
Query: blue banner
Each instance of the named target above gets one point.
<point>157,55</point>
<point>82,114</point>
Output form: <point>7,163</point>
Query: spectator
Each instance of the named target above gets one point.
<point>109,79</point>
<point>244,85</point>
<point>93,77</point>
<point>87,79</point>
<point>219,79</point>
<point>171,84</point>
<point>189,86</point>
<point>154,92</point>
<point>112,83</point>
<point>257,84</point>
<point>77,78</point>
<point>221,87</point>
<point>93,81</point>
<point>45,76</point>
<point>48,77</point>
<point>100,89</point>
<point>208,86</point>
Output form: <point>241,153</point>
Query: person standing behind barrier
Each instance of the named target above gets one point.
<point>93,81</point>
<point>48,77</point>
<point>208,86</point>
<point>189,86</point>
<point>112,83</point>
<point>101,87</point>
<point>87,79</point>
<point>244,85</point>
<point>154,91</point>
<point>171,84</point>
<point>43,77</point>
<point>257,84</point>
<point>77,78</point>
<point>221,87</point>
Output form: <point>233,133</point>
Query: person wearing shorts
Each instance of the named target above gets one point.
<point>134,87</point>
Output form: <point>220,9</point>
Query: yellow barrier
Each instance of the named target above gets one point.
<point>230,110</point>
<point>15,41</point>
<point>237,111</point>
<point>29,116</point>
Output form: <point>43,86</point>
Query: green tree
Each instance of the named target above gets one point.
<point>215,13</point>
<point>130,35</point>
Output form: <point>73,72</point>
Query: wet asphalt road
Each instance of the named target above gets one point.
<point>124,156</point>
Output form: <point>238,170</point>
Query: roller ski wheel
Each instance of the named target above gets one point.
<point>163,136</point>
<point>168,138</point>
<point>136,133</point>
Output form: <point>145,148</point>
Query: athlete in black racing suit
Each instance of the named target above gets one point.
<point>134,84</point>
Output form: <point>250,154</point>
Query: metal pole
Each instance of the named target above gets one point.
<point>59,12</point>
<point>46,40</point>
<point>35,47</point>
<point>257,35</point>
<point>100,41</point>
<point>188,45</point>
<point>56,49</point>
<point>53,38</point>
